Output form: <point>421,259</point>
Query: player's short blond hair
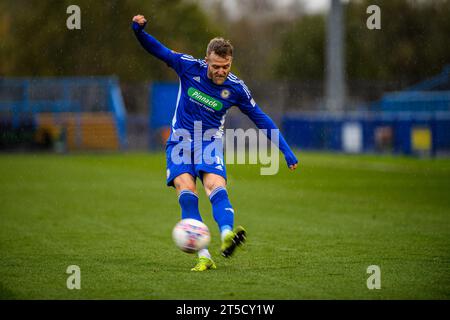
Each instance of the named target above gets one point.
<point>221,47</point>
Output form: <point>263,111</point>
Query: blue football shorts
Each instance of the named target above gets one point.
<point>195,159</point>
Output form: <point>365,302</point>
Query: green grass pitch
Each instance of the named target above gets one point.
<point>311,233</point>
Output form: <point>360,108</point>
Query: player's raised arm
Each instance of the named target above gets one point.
<point>153,46</point>
<point>263,121</point>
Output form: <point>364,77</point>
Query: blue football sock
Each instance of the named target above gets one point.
<point>189,205</point>
<point>222,210</point>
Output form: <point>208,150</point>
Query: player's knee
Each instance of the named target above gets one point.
<point>184,183</point>
<point>212,183</point>
<point>210,187</point>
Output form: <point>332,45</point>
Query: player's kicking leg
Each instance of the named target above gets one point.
<point>223,213</point>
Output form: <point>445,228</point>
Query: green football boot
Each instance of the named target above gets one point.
<point>233,240</point>
<point>204,264</point>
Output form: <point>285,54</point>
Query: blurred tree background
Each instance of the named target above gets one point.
<point>270,44</point>
<point>412,43</point>
<point>36,42</point>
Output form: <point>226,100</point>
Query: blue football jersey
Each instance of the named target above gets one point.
<point>200,99</point>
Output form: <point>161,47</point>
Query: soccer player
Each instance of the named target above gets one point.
<point>207,90</point>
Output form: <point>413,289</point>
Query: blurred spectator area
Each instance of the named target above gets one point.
<point>96,113</point>
<point>66,113</point>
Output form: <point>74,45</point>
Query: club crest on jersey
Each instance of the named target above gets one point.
<point>225,93</point>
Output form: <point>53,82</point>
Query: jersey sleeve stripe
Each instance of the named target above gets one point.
<point>191,59</point>
<point>235,79</point>
<point>247,91</point>
<point>188,59</point>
